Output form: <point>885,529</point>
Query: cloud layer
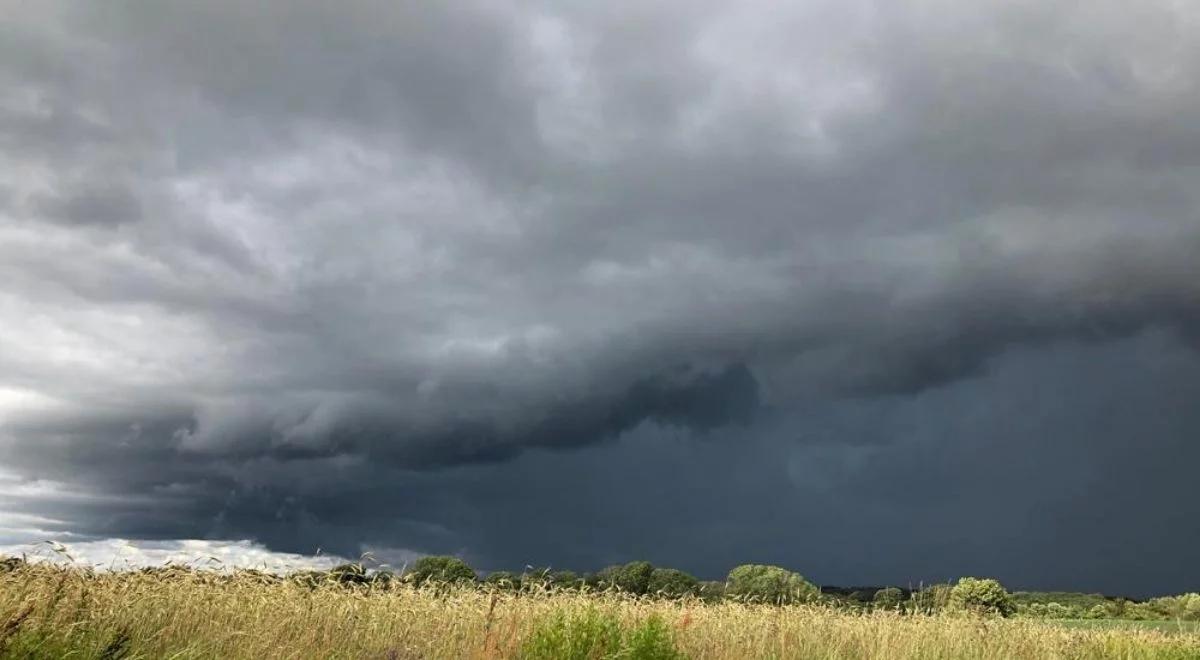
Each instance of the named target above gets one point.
<point>341,276</point>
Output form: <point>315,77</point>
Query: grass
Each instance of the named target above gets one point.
<point>54,612</point>
<point>1178,627</point>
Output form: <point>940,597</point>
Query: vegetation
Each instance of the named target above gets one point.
<point>632,578</point>
<point>1072,606</point>
<point>672,583</point>
<point>437,611</point>
<point>982,596</point>
<point>440,570</point>
<point>770,584</point>
<point>589,634</point>
<point>889,598</point>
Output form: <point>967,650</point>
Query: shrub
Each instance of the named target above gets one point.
<point>1183,606</point>
<point>652,640</point>
<point>981,596</point>
<point>888,598</point>
<point>770,584</point>
<point>584,636</point>
<point>441,570</point>
<point>672,583</point>
<point>592,635</point>
<point>1060,611</point>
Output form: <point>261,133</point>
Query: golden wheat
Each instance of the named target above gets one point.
<point>49,611</point>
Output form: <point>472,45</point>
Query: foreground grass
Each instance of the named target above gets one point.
<point>49,612</point>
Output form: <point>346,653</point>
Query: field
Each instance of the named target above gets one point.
<point>1177,627</point>
<point>52,612</point>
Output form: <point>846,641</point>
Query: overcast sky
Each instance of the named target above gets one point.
<point>881,292</point>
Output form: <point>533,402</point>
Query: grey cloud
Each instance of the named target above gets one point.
<point>100,207</point>
<point>397,245</point>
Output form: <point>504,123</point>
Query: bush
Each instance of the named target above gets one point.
<point>585,636</point>
<point>440,570</point>
<point>652,640</point>
<point>770,584</point>
<point>592,635</point>
<point>1183,606</point>
<point>888,598</point>
<point>672,583</point>
<point>981,596</point>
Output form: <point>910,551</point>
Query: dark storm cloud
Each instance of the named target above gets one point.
<point>300,273</point>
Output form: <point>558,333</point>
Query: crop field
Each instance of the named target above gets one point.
<point>1178,627</point>
<point>51,611</point>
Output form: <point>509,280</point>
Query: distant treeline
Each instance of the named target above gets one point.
<point>747,583</point>
<point>774,584</point>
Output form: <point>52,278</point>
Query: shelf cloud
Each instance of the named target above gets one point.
<point>536,283</point>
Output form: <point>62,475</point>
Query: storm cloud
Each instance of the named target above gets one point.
<point>880,291</point>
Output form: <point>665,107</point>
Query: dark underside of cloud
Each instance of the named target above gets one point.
<point>885,293</point>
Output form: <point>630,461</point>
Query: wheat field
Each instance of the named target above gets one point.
<point>51,611</point>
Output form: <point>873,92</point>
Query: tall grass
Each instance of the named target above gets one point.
<point>52,612</point>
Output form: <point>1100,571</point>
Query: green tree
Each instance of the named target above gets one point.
<point>672,583</point>
<point>504,579</point>
<point>633,578</point>
<point>888,598</point>
<point>981,596</point>
<point>565,579</point>
<point>536,576</point>
<point>440,570</point>
<point>770,584</point>
<point>711,590</point>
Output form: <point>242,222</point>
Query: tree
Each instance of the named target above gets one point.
<point>565,579</point>
<point>888,598</point>
<point>633,578</point>
<point>711,591</point>
<point>441,570</point>
<point>982,596</point>
<point>504,579</point>
<point>672,583</point>
<point>536,576</point>
<point>770,584</point>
